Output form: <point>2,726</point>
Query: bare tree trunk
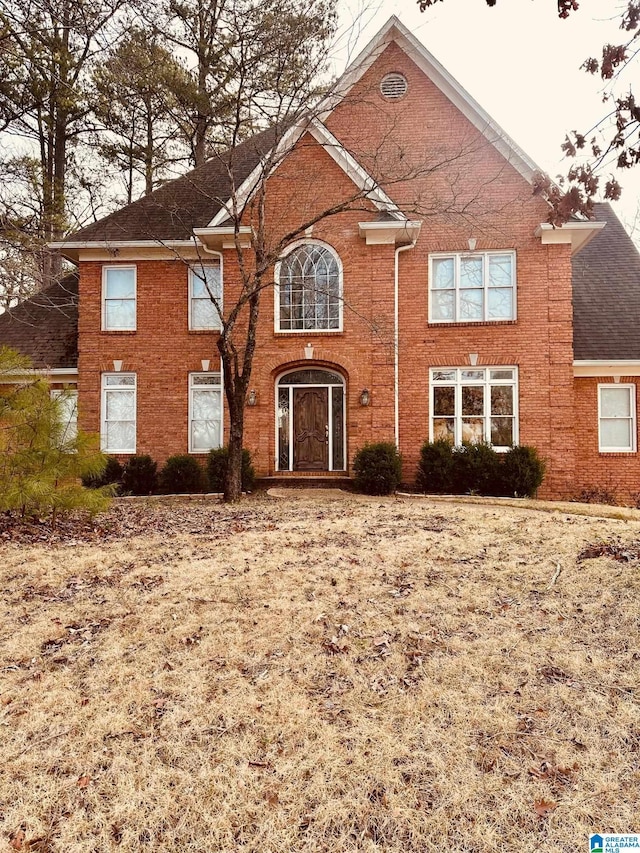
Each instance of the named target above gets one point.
<point>233,476</point>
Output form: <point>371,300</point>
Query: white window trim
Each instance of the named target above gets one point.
<point>105,269</point>
<point>276,291</point>
<point>191,387</point>
<point>630,386</point>
<point>103,412</point>
<point>194,268</point>
<point>485,383</point>
<point>457,256</point>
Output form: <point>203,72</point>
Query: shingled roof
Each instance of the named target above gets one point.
<point>606,294</point>
<point>45,327</point>
<point>175,209</point>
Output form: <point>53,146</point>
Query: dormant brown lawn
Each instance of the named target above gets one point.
<point>320,674</point>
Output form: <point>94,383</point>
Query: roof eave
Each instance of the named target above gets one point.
<point>578,234</point>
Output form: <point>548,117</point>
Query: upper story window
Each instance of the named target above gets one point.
<point>118,421</point>
<point>617,418</point>
<point>205,296</point>
<point>119,299</point>
<point>475,404</point>
<point>309,290</point>
<point>472,287</point>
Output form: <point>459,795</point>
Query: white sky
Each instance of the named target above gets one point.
<point>521,63</point>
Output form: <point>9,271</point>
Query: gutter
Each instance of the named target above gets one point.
<point>396,338</point>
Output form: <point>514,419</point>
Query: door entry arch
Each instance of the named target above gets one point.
<point>310,420</point>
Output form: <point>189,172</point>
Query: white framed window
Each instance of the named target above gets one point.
<point>205,412</point>
<point>617,418</point>
<point>474,404</point>
<point>308,290</point>
<point>118,299</point>
<point>205,296</point>
<point>68,403</point>
<point>118,420</point>
<point>472,287</point>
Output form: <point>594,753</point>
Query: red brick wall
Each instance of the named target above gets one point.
<point>618,473</point>
<point>423,129</point>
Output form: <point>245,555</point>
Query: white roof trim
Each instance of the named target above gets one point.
<point>607,367</point>
<point>349,165</point>
<point>120,244</point>
<point>379,233</point>
<point>54,374</point>
<point>395,30</point>
<point>224,236</point>
<point>576,233</point>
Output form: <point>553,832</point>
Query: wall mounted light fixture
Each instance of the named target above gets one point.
<point>252,399</point>
<point>365,397</point>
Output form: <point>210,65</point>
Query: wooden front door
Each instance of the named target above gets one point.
<point>310,429</point>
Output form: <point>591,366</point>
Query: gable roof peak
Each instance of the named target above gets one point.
<point>395,31</point>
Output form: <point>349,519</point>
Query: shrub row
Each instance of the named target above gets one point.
<point>445,469</point>
<point>182,474</point>
<point>478,469</point>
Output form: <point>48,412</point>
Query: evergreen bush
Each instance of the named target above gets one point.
<point>377,468</point>
<point>140,475</point>
<point>111,476</point>
<point>522,471</point>
<point>476,469</point>
<point>217,462</point>
<point>42,462</point>
<point>479,469</point>
<point>182,475</point>
<point>435,469</point>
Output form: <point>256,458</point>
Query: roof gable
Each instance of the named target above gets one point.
<point>395,31</point>
<point>45,327</point>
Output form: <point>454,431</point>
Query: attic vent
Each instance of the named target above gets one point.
<point>394,86</point>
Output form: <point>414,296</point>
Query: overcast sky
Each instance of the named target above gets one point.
<point>521,63</point>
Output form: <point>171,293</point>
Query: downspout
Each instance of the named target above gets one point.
<point>396,340</point>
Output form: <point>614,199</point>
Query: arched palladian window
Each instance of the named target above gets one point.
<point>309,292</point>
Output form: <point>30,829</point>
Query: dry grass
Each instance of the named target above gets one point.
<point>320,675</point>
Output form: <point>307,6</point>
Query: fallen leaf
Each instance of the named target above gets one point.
<point>17,840</point>
<point>544,808</point>
<point>83,781</point>
<point>271,797</point>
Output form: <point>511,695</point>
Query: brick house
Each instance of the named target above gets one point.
<point>439,303</point>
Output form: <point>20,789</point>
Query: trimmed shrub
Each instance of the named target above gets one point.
<point>378,468</point>
<point>477,469</point>
<point>182,475</point>
<point>435,469</point>
<point>111,476</point>
<point>522,471</point>
<point>140,476</point>
<point>217,462</point>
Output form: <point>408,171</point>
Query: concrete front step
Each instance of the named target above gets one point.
<point>292,481</point>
